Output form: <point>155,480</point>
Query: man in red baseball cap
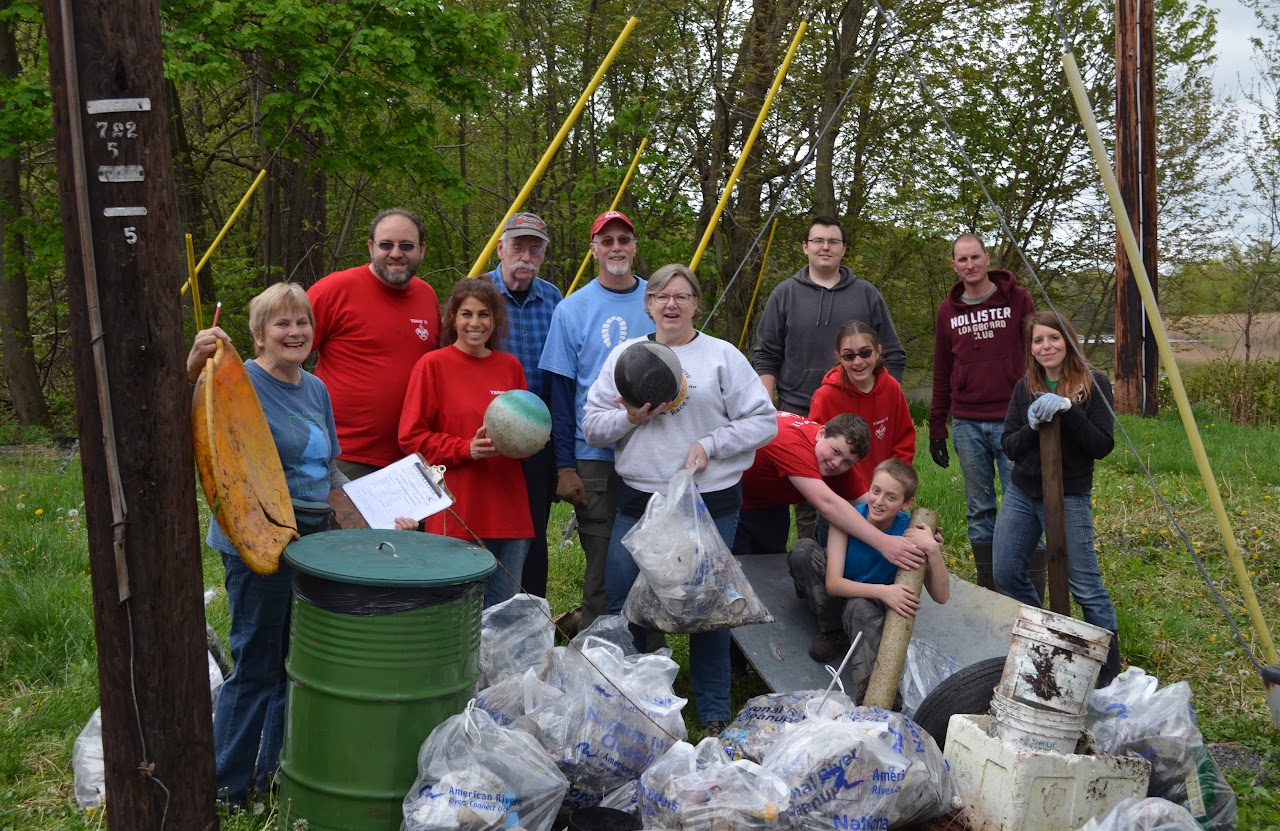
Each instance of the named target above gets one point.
<point>584,328</point>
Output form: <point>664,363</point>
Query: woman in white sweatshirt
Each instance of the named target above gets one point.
<point>714,426</point>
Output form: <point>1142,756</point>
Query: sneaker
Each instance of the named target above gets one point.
<point>828,647</point>
<point>711,729</point>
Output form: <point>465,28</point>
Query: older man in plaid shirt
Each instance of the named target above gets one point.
<point>530,302</point>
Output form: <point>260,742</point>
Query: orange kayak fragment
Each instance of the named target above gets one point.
<point>239,465</point>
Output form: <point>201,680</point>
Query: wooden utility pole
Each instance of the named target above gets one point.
<point>1137,360</point>
<point>133,410</point>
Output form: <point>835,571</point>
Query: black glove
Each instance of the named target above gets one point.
<point>938,449</point>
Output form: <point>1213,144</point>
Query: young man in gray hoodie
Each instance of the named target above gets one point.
<point>796,339</point>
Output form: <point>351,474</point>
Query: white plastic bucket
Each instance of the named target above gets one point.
<point>1053,661</point>
<point>1034,728</point>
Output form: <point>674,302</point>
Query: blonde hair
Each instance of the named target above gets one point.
<point>903,473</point>
<point>277,298</point>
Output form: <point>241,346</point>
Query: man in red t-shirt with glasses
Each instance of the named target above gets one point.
<point>372,323</point>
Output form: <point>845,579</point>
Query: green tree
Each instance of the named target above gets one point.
<point>25,121</point>
<point>341,100</point>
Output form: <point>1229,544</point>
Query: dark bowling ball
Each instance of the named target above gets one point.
<point>648,373</point>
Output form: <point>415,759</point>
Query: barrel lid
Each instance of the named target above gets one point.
<point>373,557</point>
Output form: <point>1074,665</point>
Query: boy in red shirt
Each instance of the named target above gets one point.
<point>792,468</point>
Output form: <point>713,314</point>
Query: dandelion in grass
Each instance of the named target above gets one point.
<point>39,511</point>
<point>20,506</point>
<point>73,514</point>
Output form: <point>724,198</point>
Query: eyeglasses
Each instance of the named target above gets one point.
<point>532,250</point>
<point>682,299</point>
<point>607,242</point>
<point>386,245</point>
<point>864,353</point>
<point>834,242</point>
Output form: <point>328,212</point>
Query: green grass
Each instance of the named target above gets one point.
<point>1169,624</point>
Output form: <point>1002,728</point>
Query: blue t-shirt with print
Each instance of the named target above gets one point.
<point>584,329</point>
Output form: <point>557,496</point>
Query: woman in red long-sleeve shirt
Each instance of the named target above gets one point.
<point>443,419</point>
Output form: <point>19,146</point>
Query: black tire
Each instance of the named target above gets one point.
<point>967,691</point>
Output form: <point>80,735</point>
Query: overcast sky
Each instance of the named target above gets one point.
<point>1234,73</point>
<point>1236,24</point>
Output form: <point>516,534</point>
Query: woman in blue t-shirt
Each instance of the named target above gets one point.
<point>248,721</point>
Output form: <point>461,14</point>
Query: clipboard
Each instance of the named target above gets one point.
<point>409,487</point>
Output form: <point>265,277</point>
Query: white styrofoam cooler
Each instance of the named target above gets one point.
<point>1006,787</point>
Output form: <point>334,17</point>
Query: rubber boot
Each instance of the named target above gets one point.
<point>1111,668</point>
<point>982,559</point>
<point>1039,572</point>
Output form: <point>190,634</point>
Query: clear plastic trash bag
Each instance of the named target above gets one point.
<point>617,715</point>
<point>689,581</point>
<point>867,768</point>
<point>1150,814</point>
<point>700,787</point>
<point>1133,716</point>
<point>476,775</point>
<point>515,635</point>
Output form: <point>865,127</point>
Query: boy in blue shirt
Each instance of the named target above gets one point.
<point>849,586</point>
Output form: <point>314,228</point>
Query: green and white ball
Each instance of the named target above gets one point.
<point>518,423</point>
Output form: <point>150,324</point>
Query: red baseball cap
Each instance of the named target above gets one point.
<point>607,217</point>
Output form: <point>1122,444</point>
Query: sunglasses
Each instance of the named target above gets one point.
<point>385,245</point>
<point>864,353</point>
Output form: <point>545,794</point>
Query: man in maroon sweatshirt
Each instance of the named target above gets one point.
<point>978,356</point>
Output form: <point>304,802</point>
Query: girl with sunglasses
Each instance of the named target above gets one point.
<point>860,384</point>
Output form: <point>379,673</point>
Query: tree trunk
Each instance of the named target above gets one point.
<point>20,371</point>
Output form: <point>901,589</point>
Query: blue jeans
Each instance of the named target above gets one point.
<point>1017,536</point>
<point>248,723</point>
<point>708,651</point>
<point>510,555</point>
<point>981,457</point>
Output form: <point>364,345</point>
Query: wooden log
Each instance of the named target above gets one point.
<point>1055,524</point>
<point>882,687</point>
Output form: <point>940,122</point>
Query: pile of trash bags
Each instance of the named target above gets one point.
<point>595,723</point>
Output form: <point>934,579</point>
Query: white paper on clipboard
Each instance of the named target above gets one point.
<point>409,487</point>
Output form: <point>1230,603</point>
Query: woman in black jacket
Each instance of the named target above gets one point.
<point>1057,382</point>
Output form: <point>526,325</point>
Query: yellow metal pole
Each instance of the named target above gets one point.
<point>760,279</point>
<point>1166,355</point>
<point>198,313</point>
<point>483,259</point>
<point>262,174</point>
<point>746,148</point>
<point>617,197</point>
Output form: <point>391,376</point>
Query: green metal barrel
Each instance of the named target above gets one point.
<point>384,645</point>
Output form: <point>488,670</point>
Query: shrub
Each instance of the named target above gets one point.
<point>1243,393</point>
